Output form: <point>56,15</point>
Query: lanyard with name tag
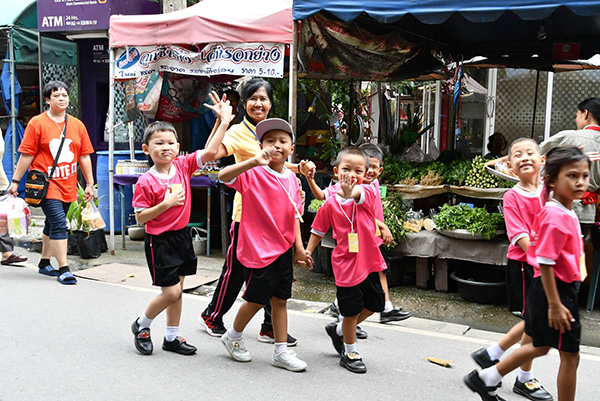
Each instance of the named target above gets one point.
<point>352,236</point>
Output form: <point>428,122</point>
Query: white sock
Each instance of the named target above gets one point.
<point>388,306</point>
<point>490,377</point>
<point>338,330</point>
<point>280,348</point>
<point>335,302</point>
<point>350,348</point>
<point>171,333</point>
<point>495,352</point>
<point>524,376</point>
<point>234,335</point>
<point>144,321</point>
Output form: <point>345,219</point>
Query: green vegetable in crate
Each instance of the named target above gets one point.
<point>478,177</point>
<point>475,220</point>
<point>315,204</point>
<point>393,217</point>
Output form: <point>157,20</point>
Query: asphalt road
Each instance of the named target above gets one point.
<point>74,343</point>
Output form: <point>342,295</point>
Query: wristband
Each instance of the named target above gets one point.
<point>15,181</point>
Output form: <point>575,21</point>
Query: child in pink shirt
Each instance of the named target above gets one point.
<point>556,252</point>
<point>162,201</point>
<point>269,229</point>
<point>356,260</point>
<point>521,205</point>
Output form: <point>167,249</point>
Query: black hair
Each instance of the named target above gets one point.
<point>494,136</point>
<point>592,105</point>
<point>53,86</point>
<point>251,86</point>
<point>351,150</point>
<point>372,150</point>
<point>158,126</point>
<point>523,139</point>
<point>559,157</point>
<point>232,92</point>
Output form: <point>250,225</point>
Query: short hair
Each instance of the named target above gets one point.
<point>592,105</point>
<point>557,158</point>
<point>53,86</point>
<point>493,137</point>
<point>252,86</point>
<point>158,126</point>
<point>351,150</point>
<point>523,139</point>
<point>372,150</point>
<point>232,92</point>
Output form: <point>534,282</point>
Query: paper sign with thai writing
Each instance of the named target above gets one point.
<point>254,59</point>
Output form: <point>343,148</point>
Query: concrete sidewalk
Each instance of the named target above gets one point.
<point>74,343</point>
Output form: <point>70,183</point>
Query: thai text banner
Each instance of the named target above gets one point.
<point>254,59</point>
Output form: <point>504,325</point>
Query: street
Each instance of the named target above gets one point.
<point>74,343</point>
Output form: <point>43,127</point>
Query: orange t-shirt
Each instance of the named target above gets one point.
<point>42,140</point>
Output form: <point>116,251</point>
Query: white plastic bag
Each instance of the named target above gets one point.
<point>91,216</point>
<point>15,216</point>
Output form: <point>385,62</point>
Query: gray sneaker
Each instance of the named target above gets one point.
<point>236,349</point>
<point>288,360</point>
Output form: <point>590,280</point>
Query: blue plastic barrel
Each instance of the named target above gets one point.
<point>103,189</point>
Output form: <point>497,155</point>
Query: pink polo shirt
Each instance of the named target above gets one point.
<point>556,241</point>
<point>520,209</point>
<point>350,269</point>
<point>151,188</point>
<point>267,224</point>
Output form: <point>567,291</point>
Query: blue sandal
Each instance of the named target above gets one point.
<point>67,278</point>
<point>48,271</point>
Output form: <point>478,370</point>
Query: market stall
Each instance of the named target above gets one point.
<point>201,40</point>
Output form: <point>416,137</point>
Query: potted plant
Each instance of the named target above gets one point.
<point>83,240</point>
<point>407,134</point>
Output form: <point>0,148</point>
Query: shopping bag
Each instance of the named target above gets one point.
<point>92,218</point>
<point>15,216</point>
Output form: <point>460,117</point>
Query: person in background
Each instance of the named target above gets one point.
<point>38,149</point>
<point>496,145</point>
<point>7,244</point>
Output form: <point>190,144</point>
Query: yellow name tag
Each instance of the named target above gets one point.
<point>582,267</point>
<point>353,242</point>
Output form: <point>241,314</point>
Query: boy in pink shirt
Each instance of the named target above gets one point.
<point>356,260</point>
<point>269,229</point>
<point>162,201</point>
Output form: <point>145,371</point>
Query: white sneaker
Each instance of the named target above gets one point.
<point>288,360</point>
<point>236,349</point>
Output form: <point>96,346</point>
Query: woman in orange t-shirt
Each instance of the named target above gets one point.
<point>38,149</point>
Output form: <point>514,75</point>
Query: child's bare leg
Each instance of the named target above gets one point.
<point>384,285</point>
<point>513,336</point>
<point>525,339</point>
<point>174,310</point>
<point>525,353</point>
<point>365,313</point>
<point>279,316</point>
<point>567,375</point>
<point>245,314</point>
<point>168,296</point>
<point>349,327</point>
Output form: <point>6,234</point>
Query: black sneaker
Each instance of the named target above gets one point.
<point>142,339</point>
<point>337,341</point>
<point>334,310</point>
<point>269,337</point>
<point>533,390</point>
<point>395,315</point>
<point>179,345</point>
<point>353,362</point>
<point>214,329</point>
<point>482,358</point>
<point>361,334</point>
<point>474,382</point>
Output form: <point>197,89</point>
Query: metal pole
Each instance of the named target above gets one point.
<point>490,108</point>
<point>40,72</point>
<point>293,81</point>
<point>110,123</point>
<point>535,97</point>
<point>548,121</point>
<point>437,119</point>
<point>13,116</point>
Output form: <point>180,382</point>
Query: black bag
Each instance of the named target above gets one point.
<point>36,186</point>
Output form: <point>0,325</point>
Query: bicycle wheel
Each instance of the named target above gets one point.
<point>357,136</point>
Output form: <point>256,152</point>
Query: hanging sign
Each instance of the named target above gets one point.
<point>254,59</point>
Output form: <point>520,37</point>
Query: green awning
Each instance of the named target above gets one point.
<point>54,51</point>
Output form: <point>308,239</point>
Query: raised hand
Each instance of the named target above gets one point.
<point>347,183</point>
<point>307,168</point>
<point>216,103</point>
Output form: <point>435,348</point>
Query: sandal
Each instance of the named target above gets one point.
<point>67,278</point>
<point>14,258</point>
<point>48,271</point>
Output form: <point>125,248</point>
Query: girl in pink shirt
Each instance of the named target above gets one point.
<point>556,252</point>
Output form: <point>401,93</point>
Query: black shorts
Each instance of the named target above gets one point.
<point>366,295</point>
<point>385,258</point>
<point>518,280</point>
<point>274,280</point>
<point>170,255</point>
<point>536,317</point>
